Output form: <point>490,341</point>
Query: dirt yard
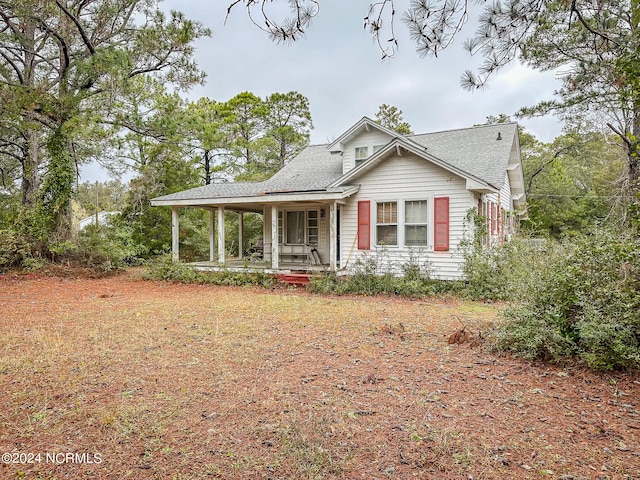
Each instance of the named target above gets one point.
<point>119,378</point>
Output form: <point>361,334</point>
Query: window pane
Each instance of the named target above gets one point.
<point>312,227</point>
<point>295,227</point>
<point>415,235</point>
<point>415,212</point>
<point>387,235</point>
<point>362,153</point>
<point>387,212</point>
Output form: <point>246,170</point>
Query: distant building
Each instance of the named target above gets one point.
<point>103,219</point>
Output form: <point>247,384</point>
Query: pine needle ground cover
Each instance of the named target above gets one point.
<point>119,378</point>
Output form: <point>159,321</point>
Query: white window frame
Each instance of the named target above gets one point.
<point>307,226</point>
<point>302,224</point>
<point>313,238</point>
<point>387,224</point>
<point>359,159</point>
<point>406,224</point>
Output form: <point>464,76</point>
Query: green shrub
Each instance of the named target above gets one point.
<point>325,284</point>
<point>582,300</point>
<point>506,271</point>
<point>163,268</point>
<point>534,335</point>
<point>368,277</point>
<point>106,247</point>
<point>18,250</point>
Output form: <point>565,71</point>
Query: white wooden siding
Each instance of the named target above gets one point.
<point>409,178</point>
<point>491,197</point>
<point>366,139</point>
<point>505,195</point>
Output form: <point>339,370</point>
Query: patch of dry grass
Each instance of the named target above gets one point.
<point>190,382</point>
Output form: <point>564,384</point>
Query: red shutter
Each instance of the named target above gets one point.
<point>364,214</point>
<point>494,219</point>
<point>441,224</point>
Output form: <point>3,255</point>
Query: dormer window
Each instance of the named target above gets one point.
<point>362,153</point>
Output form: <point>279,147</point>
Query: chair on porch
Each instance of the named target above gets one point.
<point>256,249</point>
<point>313,255</point>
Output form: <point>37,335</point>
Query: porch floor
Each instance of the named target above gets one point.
<point>247,265</point>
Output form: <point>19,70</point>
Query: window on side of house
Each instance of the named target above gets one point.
<point>377,147</point>
<point>361,154</point>
<point>387,223</point>
<point>415,223</point>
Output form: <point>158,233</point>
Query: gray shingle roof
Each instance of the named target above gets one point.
<point>313,169</point>
<point>474,150</point>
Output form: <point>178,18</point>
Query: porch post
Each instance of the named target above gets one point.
<point>275,257</point>
<point>212,235</point>
<point>175,235</point>
<point>240,234</point>
<point>221,234</point>
<point>332,236</point>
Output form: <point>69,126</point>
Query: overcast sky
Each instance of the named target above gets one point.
<point>339,69</point>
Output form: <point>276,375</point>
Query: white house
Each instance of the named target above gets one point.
<point>374,193</point>
<point>102,218</point>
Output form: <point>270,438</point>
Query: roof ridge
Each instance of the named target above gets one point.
<point>474,127</point>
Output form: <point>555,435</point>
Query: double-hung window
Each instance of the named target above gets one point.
<point>387,223</point>
<point>361,154</point>
<point>415,223</point>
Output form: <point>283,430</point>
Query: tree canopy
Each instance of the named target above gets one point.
<point>62,65</point>
<point>391,117</point>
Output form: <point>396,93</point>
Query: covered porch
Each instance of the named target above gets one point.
<point>300,233</point>
<point>255,266</point>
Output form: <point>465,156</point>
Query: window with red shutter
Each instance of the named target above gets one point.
<point>441,224</point>
<point>364,229</point>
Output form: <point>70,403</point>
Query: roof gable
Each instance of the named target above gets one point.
<point>398,146</point>
<point>365,124</point>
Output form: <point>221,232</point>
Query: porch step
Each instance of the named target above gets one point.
<point>294,278</point>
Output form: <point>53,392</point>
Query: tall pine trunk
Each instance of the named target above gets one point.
<point>57,188</point>
<point>31,158</point>
<point>30,167</point>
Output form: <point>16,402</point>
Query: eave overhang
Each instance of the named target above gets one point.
<point>264,198</point>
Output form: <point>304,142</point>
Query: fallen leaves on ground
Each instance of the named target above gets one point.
<point>190,382</point>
